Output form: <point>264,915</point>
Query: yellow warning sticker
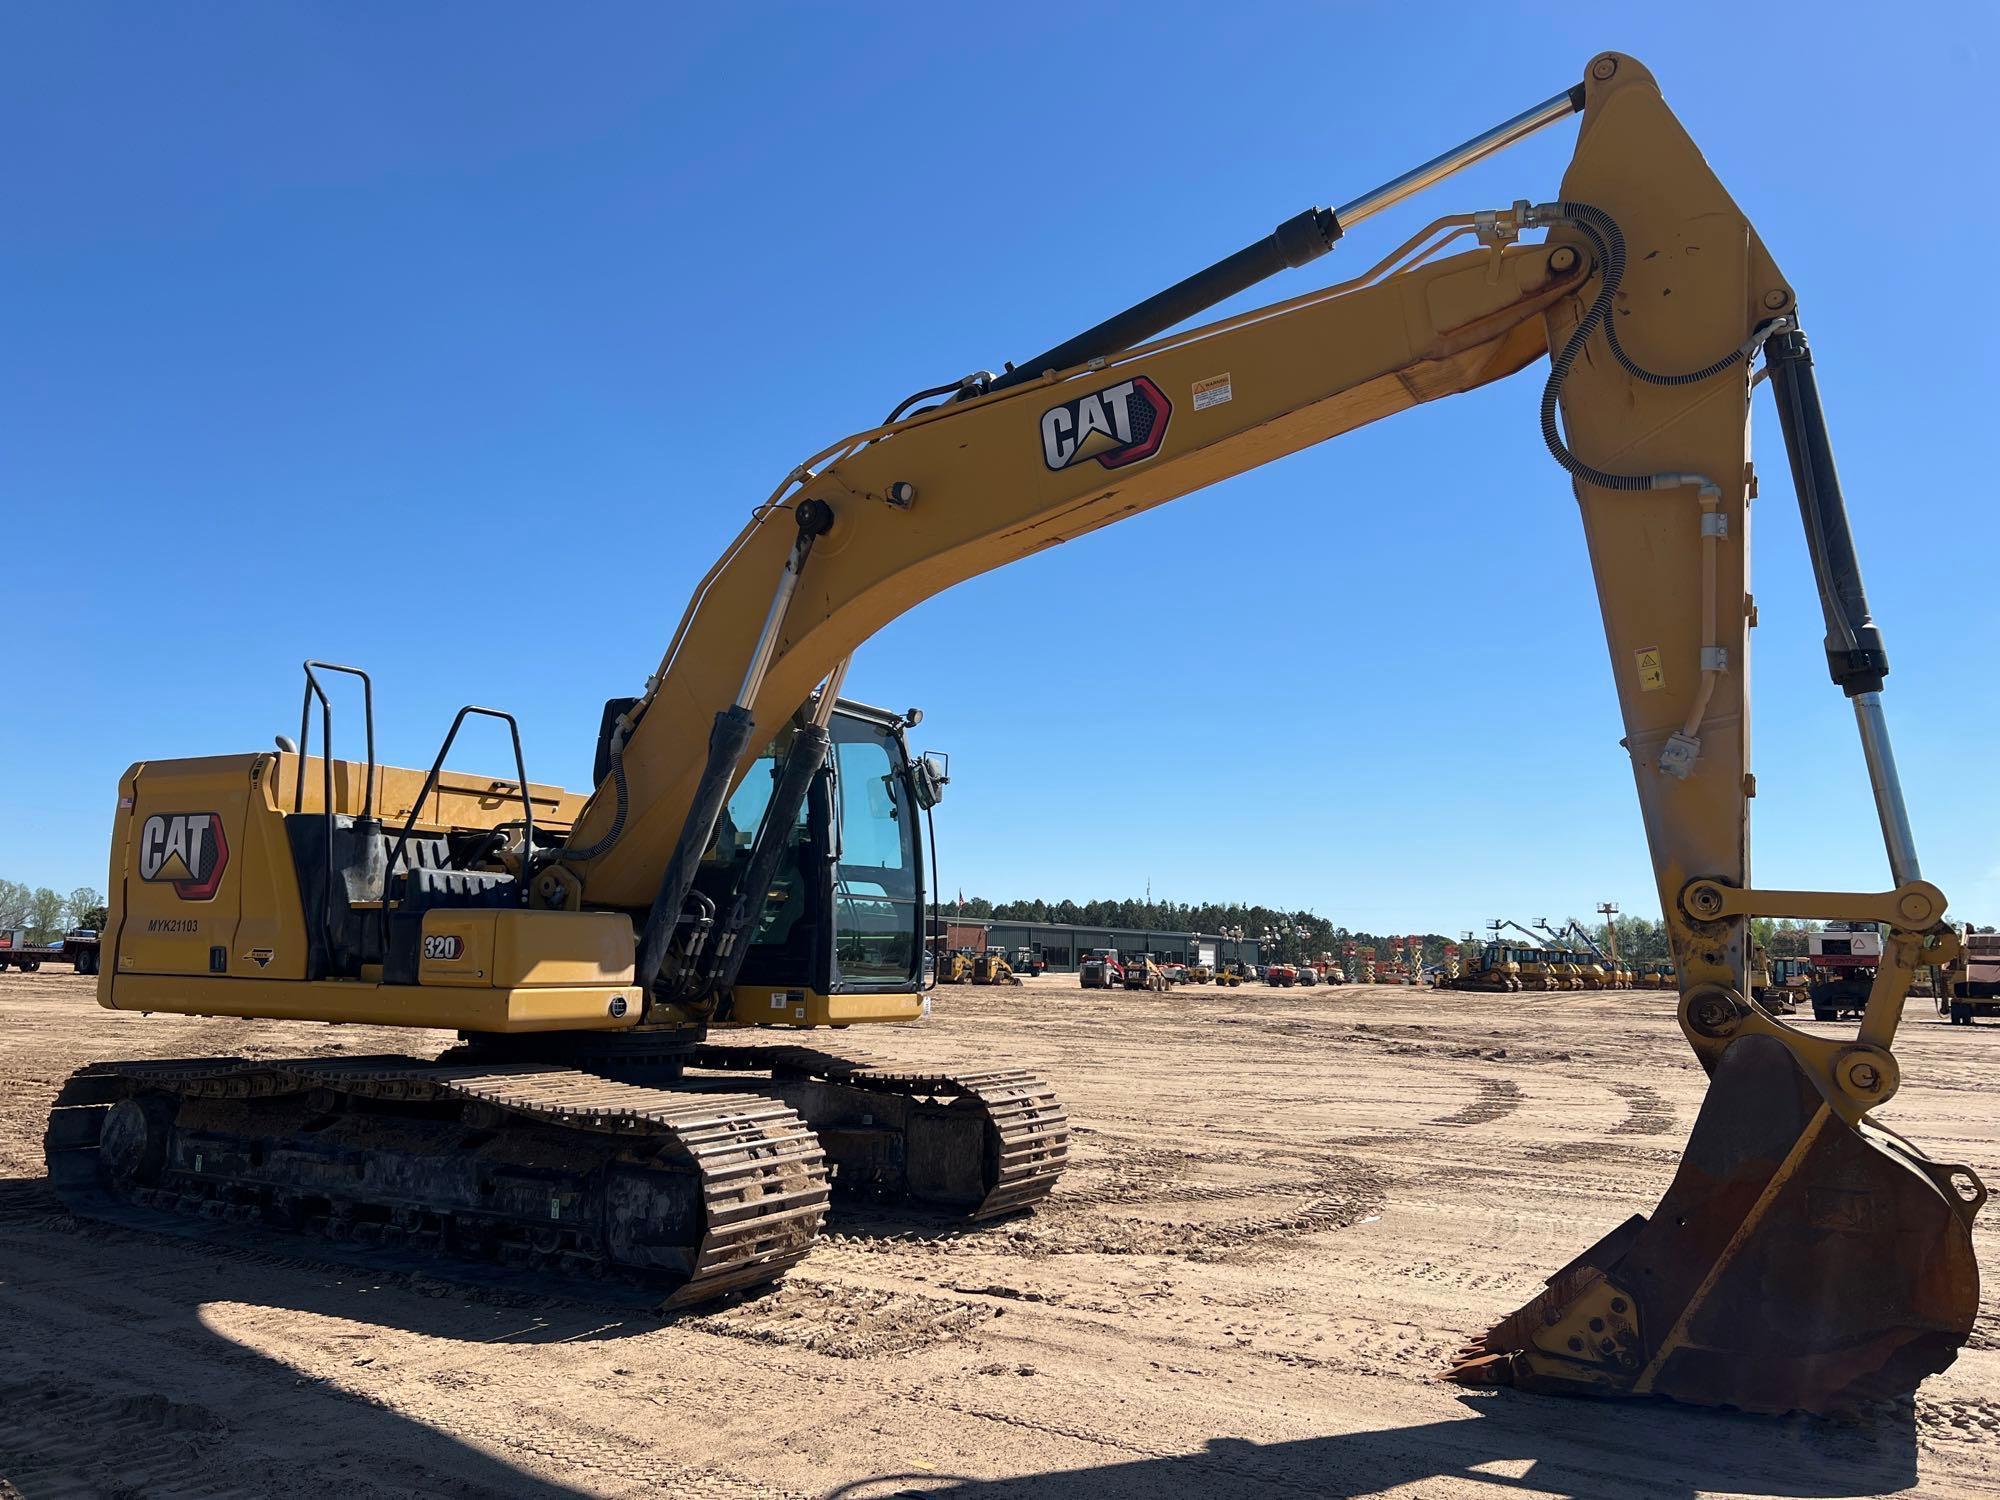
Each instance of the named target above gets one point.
<point>1652,676</point>
<point>1213,391</point>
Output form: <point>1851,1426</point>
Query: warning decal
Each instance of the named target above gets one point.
<point>1212,392</point>
<point>1652,676</point>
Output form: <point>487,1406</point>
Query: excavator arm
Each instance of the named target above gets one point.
<point>970,486</point>
<point>1804,1256</point>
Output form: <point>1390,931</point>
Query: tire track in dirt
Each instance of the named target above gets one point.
<point>1646,1111</point>
<point>57,1438</point>
<point>1498,1098</point>
<point>1959,1421</point>
<point>841,1320</point>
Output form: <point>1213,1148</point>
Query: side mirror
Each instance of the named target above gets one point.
<point>931,773</point>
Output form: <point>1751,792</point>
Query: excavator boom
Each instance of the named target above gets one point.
<point>1803,1256</point>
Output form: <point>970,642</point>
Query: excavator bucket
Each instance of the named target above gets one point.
<point>1797,1262</point>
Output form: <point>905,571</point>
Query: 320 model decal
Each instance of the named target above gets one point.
<point>1116,426</point>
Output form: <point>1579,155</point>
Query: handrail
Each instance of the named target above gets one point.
<point>430,784</point>
<point>313,689</point>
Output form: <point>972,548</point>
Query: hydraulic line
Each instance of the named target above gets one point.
<point>611,835</point>
<point>1608,240</point>
<point>1601,231</point>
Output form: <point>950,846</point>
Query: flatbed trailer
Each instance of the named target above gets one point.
<point>79,949</point>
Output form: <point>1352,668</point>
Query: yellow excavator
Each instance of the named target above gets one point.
<point>631,972</point>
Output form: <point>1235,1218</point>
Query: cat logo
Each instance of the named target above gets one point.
<point>1116,426</point>
<point>185,849</point>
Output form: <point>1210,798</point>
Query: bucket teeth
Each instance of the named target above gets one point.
<point>1796,1263</point>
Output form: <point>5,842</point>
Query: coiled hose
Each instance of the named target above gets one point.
<point>569,852</point>
<point>1608,241</point>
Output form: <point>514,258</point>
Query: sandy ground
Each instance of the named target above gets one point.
<point>1285,1209</point>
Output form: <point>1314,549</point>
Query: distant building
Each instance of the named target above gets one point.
<point>1062,944</point>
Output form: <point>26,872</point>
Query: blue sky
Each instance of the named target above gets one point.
<point>353,330</point>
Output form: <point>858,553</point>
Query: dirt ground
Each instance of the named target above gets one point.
<point>1285,1209</point>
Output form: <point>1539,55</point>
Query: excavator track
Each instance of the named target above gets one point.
<point>515,1173</point>
<point>984,1144</point>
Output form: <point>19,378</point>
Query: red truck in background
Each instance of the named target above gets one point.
<point>78,948</point>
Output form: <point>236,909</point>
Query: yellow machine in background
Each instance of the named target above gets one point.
<point>1539,968</point>
<point>633,972</point>
<point>991,967</point>
<point>1597,969</point>
<point>1490,967</point>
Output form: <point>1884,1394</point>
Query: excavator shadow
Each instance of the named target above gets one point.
<point>1553,1446</point>
<point>151,1337</point>
<point>116,1378</point>
<point>451,1302</point>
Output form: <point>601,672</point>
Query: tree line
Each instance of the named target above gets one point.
<point>45,915</point>
<point>1299,935</point>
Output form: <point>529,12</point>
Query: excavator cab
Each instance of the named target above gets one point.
<point>843,914</point>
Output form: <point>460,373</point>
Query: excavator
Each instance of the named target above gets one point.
<point>632,1100</point>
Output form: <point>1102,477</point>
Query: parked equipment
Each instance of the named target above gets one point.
<point>1142,972</point>
<point>1491,967</point>
<point>79,949</point>
<point>991,967</point>
<point>1765,986</point>
<point>1844,958</point>
<point>1099,969</point>
<point>1593,969</point>
<point>1969,986</point>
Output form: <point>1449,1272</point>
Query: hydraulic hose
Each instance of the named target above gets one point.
<point>611,835</point>
<point>1608,241</point>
